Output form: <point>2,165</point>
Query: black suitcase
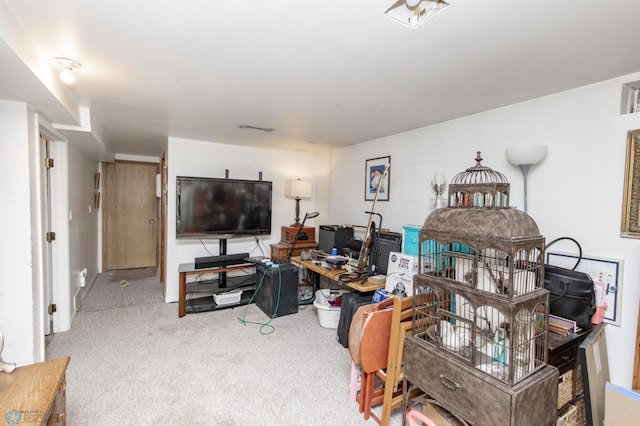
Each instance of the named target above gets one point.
<point>350,304</point>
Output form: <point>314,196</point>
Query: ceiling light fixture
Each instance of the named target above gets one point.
<point>68,65</point>
<point>413,13</point>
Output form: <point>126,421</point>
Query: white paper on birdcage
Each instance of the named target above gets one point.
<point>494,278</point>
<point>486,320</point>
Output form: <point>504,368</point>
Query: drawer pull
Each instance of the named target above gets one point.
<point>448,382</point>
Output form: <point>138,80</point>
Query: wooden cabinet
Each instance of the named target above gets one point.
<point>35,393</point>
<point>478,397</point>
<point>280,251</point>
<point>563,354</point>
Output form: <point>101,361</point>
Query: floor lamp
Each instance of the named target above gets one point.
<point>525,157</point>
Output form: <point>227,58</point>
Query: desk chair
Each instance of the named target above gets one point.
<point>378,349</point>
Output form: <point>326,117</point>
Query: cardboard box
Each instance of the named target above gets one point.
<point>621,405</point>
<point>439,416</point>
<point>400,271</point>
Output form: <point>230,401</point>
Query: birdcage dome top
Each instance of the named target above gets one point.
<point>479,186</point>
<point>479,174</point>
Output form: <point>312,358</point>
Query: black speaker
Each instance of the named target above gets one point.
<point>278,289</point>
<point>386,242</point>
<point>334,236</point>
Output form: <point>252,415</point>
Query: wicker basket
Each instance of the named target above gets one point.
<point>581,417</point>
<point>565,389</point>
<point>579,385</point>
<point>568,417</point>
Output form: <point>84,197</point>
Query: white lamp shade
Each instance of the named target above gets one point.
<point>528,154</point>
<point>297,188</point>
<point>412,3</point>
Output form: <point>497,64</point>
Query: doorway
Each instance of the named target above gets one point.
<point>130,215</point>
<point>47,249</point>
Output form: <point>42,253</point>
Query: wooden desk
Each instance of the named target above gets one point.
<point>35,394</point>
<point>334,274</point>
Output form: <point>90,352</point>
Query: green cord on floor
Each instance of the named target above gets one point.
<point>266,325</point>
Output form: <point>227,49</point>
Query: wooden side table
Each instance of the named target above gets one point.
<point>35,393</point>
<point>280,251</point>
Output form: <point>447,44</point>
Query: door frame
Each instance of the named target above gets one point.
<point>59,270</point>
<point>108,194</point>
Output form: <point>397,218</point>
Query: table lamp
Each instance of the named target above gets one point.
<point>525,157</point>
<point>297,189</point>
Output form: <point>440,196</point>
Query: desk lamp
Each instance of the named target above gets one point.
<point>297,189</point>
<point>525,157</point>
<point>309,215</point>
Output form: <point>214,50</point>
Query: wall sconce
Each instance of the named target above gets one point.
<point>438,183</point>
<point>297,189</point>
<point>68,65</point>
<point>525,157</point>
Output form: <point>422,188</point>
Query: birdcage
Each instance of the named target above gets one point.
<point>479,294</point>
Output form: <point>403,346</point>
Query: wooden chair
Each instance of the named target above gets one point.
<point>378,349</point>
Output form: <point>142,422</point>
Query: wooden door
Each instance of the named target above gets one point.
<point>130,214</point>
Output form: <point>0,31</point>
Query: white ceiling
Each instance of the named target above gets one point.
<point>322,74</point>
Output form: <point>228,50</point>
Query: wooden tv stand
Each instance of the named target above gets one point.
<point>221,283</point>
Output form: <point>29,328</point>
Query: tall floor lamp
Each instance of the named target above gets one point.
<point>297,189</point>
<point>525,157</point>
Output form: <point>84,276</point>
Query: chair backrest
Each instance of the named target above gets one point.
<point>357,331</point>
<point>374,340</point>
<point>401,325</point>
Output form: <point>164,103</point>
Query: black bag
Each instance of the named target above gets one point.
<point>573,295</point>
<point>350,304</point>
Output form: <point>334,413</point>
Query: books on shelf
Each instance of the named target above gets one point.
<point>562,326</point>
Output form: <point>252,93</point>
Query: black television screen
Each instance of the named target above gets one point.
<point>222,208</point>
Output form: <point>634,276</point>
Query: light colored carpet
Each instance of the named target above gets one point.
<point>132,274</point>
<point>140,287</point>
<point>142,365</point>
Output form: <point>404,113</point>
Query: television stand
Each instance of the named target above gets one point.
<point>221,284</point>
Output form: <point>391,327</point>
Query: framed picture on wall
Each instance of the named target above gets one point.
<point>607,280</point>
<point>631,194</point>
<point>375,177</point>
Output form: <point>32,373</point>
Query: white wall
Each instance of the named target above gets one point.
<point>575,191</point>
<point>84,220</point>
<point>209,159</point>
<point>16,286</point>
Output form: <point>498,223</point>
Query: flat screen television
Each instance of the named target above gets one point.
<point>222,208</point>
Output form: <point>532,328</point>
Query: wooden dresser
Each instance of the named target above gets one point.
<point>280,251</point>
<point>478,397</point>
<point>35,393</point>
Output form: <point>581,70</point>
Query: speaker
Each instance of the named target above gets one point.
<point>386,242</point>
<point>334,236</point>
<point>278,288</point>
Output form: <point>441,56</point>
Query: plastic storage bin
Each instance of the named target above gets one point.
<point>228,298</point>
<point>328,315</point>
